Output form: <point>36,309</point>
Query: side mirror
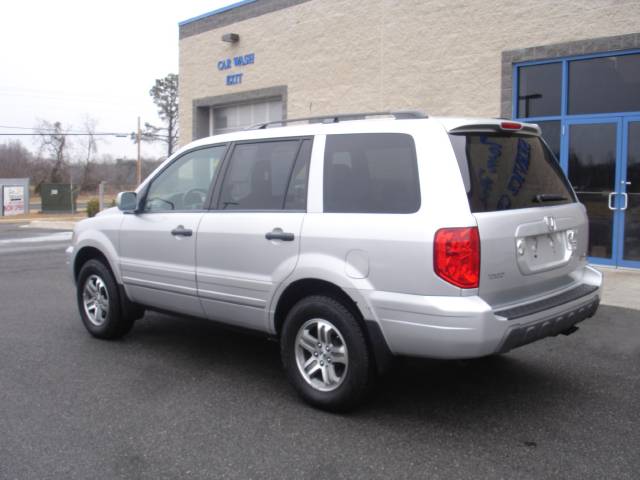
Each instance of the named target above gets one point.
<point>127,202</point>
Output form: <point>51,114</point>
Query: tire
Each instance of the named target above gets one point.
<point>97,291</point>
<point>337,378</point>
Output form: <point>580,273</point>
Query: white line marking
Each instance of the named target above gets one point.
<point>52,237</point>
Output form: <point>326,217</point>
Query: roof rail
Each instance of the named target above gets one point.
<point>400,115</point>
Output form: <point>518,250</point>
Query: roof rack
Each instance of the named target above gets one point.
<point>400,115</point>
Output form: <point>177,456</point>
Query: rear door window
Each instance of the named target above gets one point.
<point>509,171</point>
<point>297,189</point>
<point>259,176</point>
<point>371,173</point>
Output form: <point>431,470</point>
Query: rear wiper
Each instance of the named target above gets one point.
<point>549,197</point>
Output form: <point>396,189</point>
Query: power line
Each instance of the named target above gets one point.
<point>44,130</point>
<point>123,135</point>
<point>23,128</point>
<point>99,134</point>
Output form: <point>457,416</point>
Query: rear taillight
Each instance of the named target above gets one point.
<point>456,256</point>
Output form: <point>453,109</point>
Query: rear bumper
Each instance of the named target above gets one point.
<point>468,327</point>
<point>551,326</point>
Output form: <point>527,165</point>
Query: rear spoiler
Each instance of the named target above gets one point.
<point>505,126</point>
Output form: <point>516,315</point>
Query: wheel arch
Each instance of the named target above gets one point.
<point>87,253</point>
<point>90,252</point>
<point>304,287</point>
<point>95,243</point>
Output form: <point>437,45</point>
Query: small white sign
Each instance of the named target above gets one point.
<point>13,200</point>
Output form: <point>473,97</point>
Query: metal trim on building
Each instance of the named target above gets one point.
<point>557,51</point>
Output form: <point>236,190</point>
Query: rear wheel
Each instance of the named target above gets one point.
<point>99,302</point>
<point>325,354</point>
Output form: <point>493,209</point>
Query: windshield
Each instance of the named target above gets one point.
<point>505,171</point>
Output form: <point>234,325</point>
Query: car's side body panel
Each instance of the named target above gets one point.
<point>159,268</point>
<point>101,232</point>
<point>239,269</point>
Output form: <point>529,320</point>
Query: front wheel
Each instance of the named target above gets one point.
<point>325,354</point>
<point>99,302</point>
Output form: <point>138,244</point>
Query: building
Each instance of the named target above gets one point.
<point>573,67</point>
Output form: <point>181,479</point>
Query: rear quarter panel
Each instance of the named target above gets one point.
<point>386,252</point>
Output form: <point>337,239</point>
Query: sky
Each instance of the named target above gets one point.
<point>67,60</point>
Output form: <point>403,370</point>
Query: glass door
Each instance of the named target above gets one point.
<point>593,150</point>
<point>629,187</point>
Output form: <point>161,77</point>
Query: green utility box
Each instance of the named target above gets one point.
<point>58,197</point>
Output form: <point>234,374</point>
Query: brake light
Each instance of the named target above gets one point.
<point>456,256</point>
<point>510,125</point>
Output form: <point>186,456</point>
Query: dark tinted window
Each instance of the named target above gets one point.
<point>258,175</point>
<point>632,214</point>
<point>592,156</point>
<point>592,166</point>
<point>551,134</point>
<point>608,84</point>
<point>371,173</point>
<point>297,190</point>
<point>504,172</point>
<point>539,90</point>
<point>184,185</point>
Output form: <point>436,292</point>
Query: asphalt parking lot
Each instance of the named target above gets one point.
<point>187,399</point>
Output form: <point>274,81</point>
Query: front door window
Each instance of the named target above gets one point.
<point>184,185</point>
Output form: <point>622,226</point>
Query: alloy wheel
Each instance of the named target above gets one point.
<point>95,298</point>
<point>321,354</point>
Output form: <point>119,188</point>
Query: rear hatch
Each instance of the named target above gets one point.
<point>533,232</point>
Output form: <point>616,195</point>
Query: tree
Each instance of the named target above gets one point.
<point>15,160</point>
<point>90,147</point>
<point>53,142</point>
<point>165,95</point>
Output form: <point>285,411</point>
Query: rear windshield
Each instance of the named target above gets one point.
<point>509,171</point>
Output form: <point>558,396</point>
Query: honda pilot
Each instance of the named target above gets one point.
<point>351,240</point>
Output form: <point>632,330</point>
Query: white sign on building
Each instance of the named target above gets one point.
<point>13,200</point>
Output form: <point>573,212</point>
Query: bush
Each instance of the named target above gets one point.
<point>93,207</point>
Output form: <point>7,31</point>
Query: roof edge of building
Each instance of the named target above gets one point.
<point>217,11</point>
<point>236,12</point>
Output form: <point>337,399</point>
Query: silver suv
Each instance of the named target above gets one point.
<point>351,240</point>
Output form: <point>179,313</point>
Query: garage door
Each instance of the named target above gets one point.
<point>243,115</point>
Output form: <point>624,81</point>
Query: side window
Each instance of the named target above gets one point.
<point>371,173</point>
<point>297,191</point>
<point>258,175</point>
<point>184,185</point>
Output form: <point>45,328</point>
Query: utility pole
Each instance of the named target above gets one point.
<point>139,163</point>
<point>73,210</point>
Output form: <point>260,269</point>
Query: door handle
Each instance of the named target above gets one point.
<point>611,194</point>
<point>626,200</point>
<point>278,234</point>
<point>180,231</point>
